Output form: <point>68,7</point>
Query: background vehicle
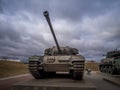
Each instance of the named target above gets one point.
<point>111,64</point>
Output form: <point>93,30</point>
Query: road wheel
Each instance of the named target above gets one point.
<point>77,75</point>
<point>112,70</point>
<point>102,69</point>
<point>106,69</point>
<point>38,74</point>
<point>109,68</point>
<point>71,73</point>
<point>78,68</point>
<point>118,71</point>
<point>34,68</point>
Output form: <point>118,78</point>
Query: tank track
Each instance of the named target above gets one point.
<point>36,68</point>
<point>108,69</point>
<point>78,68</point>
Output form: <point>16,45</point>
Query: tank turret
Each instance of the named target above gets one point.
<point>63,51</point>
<point>113,54</point>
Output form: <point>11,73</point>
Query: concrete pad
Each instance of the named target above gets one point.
<point>5,78</point>
<point>115,79</point>
<point>54,84</point>
<point>112,79</point>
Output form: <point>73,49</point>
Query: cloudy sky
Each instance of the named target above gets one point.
<point>91,26</point>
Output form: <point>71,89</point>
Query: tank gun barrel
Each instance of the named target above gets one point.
<point>46,14</point>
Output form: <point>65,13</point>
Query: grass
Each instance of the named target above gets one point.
<point>94,66</point>
<point>10,68</point>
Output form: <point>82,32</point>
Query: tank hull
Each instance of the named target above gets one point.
<point>41,65</point>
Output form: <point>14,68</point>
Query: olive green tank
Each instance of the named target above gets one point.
<point>57,59</point>
<point>111,64</point>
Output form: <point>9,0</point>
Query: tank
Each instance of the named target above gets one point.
<point>57,59</point>
<point>111,64</point>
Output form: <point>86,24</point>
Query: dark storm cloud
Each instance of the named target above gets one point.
<point>14,39</point>
<point>92,26</point>
<point>72,9</point>
<point>79,8</point>
<point>8,32</point>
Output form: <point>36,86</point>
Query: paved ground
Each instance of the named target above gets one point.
<point>54,84</point>
<point>96,79</point>
<point>6,83</point>
<point>112,79</point>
